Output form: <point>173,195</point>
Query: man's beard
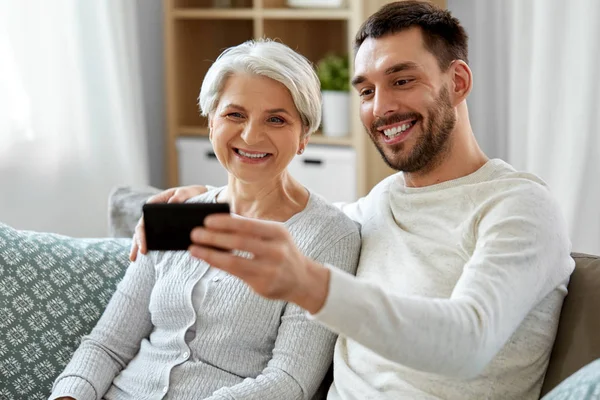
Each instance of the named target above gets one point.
<point>431,146</point>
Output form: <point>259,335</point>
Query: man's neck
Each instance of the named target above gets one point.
<point>462,158</point>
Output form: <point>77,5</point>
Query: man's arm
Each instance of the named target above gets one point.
<point>522,254</point>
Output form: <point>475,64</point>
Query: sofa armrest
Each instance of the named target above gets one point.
<point>577,342</point>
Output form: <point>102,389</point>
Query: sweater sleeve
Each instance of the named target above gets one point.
<point>522,253</point>
<point>303,349</point>
<point>115,339</point>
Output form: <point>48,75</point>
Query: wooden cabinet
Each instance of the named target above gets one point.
<point>197,31</point>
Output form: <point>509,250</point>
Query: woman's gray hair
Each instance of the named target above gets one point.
<point>273,60</point>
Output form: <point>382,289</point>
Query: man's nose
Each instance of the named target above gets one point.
<point>384,104</point>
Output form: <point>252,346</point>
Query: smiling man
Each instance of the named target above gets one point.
<point>464,260</point>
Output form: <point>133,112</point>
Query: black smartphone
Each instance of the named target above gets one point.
<point>168,225</point>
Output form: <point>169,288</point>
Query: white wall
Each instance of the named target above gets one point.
<point>487,109</point>
<point>150,34</point>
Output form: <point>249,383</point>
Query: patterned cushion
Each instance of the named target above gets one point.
<point>582,385</point>
<point>53,289</point>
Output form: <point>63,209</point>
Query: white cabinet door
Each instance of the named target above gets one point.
<point>327,170</point>
<point>198,164</point>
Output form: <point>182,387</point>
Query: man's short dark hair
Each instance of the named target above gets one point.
<point>443,35</point>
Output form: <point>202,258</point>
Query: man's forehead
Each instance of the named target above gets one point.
<point>386,51</point>
<point>401,48</point>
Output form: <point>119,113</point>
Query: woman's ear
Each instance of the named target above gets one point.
<point>210,127</point>
<point>303,142</point>
<point>462,81</point>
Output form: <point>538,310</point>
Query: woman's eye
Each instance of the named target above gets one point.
<point>235,115</point>
<point>277,120</point>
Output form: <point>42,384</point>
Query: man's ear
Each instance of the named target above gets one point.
<point>462,81</point>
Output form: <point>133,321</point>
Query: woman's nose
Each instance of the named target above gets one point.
<point>252,134</point>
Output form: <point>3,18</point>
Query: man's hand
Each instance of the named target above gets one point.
<point>274,267</point>
<point>173,195</point>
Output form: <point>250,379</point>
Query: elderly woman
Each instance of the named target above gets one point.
<point>178,328</point>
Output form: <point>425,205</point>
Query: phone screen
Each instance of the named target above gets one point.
<point>168,226</point>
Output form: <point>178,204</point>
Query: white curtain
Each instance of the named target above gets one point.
<point>71,123</point>
<point>536,101</point>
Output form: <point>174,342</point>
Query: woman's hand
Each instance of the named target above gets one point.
<point>274,268</point>
<point>173,195</point>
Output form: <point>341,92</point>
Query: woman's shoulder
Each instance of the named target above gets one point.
<point>324,233</point>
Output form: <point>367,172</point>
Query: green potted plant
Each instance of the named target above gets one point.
<point>334,73</point>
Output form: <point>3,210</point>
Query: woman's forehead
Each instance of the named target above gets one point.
<point>249,90</point>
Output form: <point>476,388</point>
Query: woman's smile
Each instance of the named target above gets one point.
<point>252,157</point>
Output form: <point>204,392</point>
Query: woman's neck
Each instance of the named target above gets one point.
<point>276,200</point>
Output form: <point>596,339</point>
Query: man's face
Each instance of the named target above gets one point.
<point>405,103</point>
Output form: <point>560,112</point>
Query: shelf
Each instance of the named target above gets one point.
<point>195,53</point>
<point>214,13</point>
<point>319,138</point>
<point>272,13</point>
<point>193,131</point>
<point>309,14</point>
<point>313,38</point>
<point>321,5</point>
<point>210,4</point>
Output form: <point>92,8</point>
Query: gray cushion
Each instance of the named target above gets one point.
<point>53,289</point>
<point>125,208</point>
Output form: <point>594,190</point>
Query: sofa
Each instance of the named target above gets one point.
<point>53,289</point>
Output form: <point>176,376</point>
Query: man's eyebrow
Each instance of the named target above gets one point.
<point>358,79</point>
<point>403,66</point>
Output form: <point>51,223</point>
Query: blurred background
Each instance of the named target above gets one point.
<point>95,95</point>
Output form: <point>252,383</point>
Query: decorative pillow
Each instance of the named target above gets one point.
<point>53,289</point>
<point>582,385</point>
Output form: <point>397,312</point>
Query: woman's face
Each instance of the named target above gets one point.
<point>256,130</point>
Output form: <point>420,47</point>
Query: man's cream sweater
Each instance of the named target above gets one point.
<point>458,290</point>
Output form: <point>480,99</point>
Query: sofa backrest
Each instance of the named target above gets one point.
<point>578,338</point>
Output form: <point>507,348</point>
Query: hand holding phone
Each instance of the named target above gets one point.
<point>168,225</point>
